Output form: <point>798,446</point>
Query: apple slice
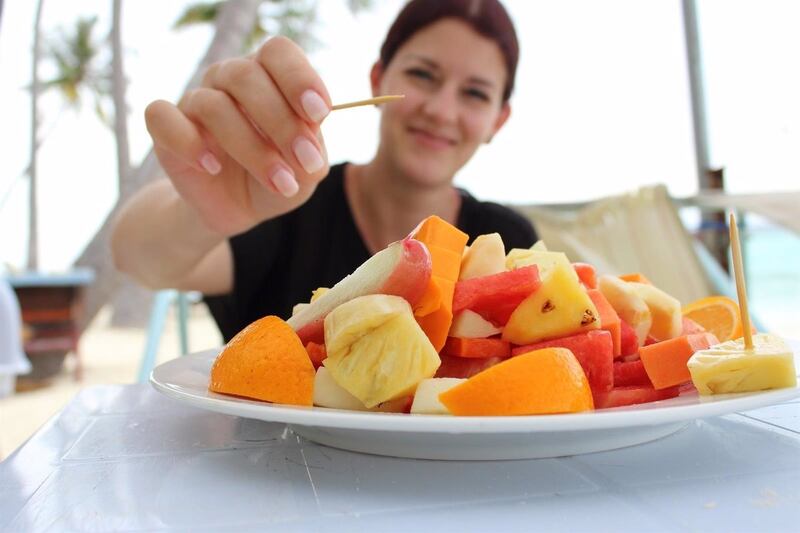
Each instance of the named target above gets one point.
<point>628,304</point>
<point>664,308</point>
<point>486,256</point>
<point>328,393</point>
<point>401,269</point>
<point>426,399</point>
<point>470,325</point>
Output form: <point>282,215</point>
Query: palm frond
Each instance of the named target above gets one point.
<point>356,6</point>
<point>198,14</point>
<point>74,55</point>
<point>257,34</point>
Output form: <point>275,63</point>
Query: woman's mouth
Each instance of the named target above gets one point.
<point>430,139</point>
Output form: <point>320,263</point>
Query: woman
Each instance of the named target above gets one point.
<point>252,215</point>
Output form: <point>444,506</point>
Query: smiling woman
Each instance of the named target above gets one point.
<point>253,216</point>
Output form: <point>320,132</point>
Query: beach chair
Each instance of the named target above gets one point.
<point>636,232</point>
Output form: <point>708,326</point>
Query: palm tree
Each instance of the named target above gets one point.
<point>233,24</point>
<point>33,227</point>
<point>74,60</point>
<point>118,89</point>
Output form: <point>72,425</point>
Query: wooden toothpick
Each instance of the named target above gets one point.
<point>370,101</point>
<point>741,291</point>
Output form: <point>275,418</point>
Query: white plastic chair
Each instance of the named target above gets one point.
<point>13,361</point>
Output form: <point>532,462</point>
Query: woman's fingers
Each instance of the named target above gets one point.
<point>257,95</point>
<point>261,113</point>
<point>297,81</point>
<point>217,113</point>
<point>173,131</point>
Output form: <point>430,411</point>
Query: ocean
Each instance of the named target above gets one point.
<point>771,257</point>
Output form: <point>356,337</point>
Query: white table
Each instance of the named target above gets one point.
<point>126,458</point>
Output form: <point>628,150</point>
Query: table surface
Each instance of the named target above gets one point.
<point>126,458</point>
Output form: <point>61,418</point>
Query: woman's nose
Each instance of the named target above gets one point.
<point>442,104</point>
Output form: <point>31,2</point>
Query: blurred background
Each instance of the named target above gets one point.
<point>609,97</point>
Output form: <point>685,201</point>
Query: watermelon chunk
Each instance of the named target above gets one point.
<point>620,396</point>
<point>629,344</point>
<point>477,348</point>
<point>496,296</point>
<point>464,367</point>
<point>594,350</point>
<point>631,373</point>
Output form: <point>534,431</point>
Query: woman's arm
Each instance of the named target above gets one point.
<point>160,240</point>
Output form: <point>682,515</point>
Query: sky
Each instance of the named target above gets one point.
<point>601,104</point>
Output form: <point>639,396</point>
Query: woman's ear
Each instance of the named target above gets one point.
<point>375,77</point>
<point>501,119</point>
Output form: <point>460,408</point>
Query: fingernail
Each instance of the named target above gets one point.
<point>284,181</point>
<point>314,106</point>
<point>209,162</point>
<point>308,155</point>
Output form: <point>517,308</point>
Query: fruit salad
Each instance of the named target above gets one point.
<point>432,326</point>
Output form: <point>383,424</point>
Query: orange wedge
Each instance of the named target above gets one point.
<point>265,361</point>
<point>718,314</point>
<point>550,380</point>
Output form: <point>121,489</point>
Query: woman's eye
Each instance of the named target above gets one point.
<point>420,73</point>
<point>477,94</point>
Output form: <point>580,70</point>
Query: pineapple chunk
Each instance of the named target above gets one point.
<point>559,307</point>
<point>317,294</point>
<point>546,261</point>
<point>299,307</point>
<point>516,257</point>
<point>376,350</point>
<point>728,367</point>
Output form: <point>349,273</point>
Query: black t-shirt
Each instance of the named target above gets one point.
<point>279,262</point>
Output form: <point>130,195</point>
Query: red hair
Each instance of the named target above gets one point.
<point>487,17</point>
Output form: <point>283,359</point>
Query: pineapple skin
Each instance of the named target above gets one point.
<point>729,368</point>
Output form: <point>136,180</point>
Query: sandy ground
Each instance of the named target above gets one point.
<point>110,355</point>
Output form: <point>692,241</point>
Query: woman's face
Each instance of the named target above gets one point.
<point>453,80</point>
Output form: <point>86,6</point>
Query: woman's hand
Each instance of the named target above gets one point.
<point>246,145</point>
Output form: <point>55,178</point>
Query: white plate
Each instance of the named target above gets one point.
<point>462,438</point>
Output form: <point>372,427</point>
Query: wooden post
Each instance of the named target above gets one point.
<point>713,226</point>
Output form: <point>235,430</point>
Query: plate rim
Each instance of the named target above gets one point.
<point>627,416</point>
